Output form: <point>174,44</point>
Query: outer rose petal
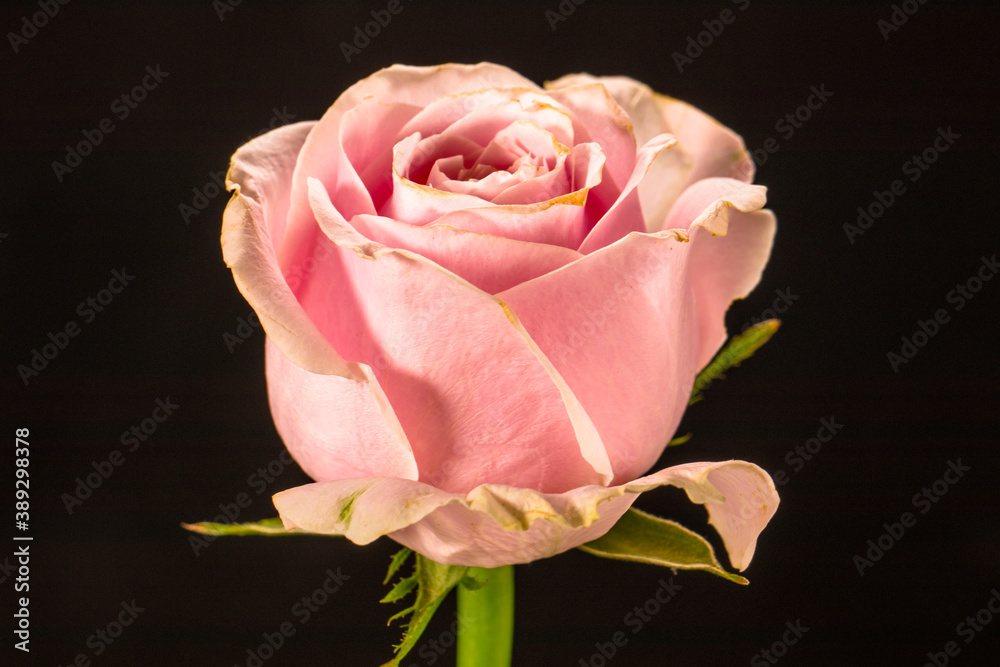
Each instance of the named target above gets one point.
<point>641,316</point>
<point>309,412</point>
<point>420,86</point>
<point>727,267</point>
<point>705,148</point>
<point>253,226</point>
<point>494,525</point>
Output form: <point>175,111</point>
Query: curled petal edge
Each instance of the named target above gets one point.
<point>739,496</point>
<point>252,226</point>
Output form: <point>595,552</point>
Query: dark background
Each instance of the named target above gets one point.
<point>162,337</point>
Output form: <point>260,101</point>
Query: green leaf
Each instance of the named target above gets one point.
<point>397,561</point>
<point>740,348</point>
<point>645,538</point>
<point>680,440</point>
<point>401,589</point>
<point>266,527</point>
<point>433,582</point>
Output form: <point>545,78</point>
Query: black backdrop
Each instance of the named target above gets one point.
<point>162,337</point>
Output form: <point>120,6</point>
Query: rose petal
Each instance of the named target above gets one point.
<point>598,118</point>
<point>253,222</point>
<point>562,221</point>
<point>705,148</point>
<point>625,215</point>
<point>421,86</point>
<point>491,263</point>
<point>365,134</point>
<point>510,104</point>
<point>309,411</point>
<point>253,225</point>
<point>523,164</point>
<point>442,350</point>
<point>414,202</point>
<point>414,156</point>
<point>344,144</point>
<point>484,123</point>
<point>729,266</point>
<point>644,314</point>
<point>495,525</point>
<point>388,90</point>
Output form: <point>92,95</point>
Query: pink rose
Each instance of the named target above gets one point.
<point>486,303</point>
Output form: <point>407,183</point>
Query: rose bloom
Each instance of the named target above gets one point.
<point>486,303</point>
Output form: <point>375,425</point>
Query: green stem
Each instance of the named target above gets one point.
<point>486,619</point>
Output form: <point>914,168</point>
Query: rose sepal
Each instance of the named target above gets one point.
<point>644,538</point>
<point>432,582</point>
<point>266,527</point>
<point>740,348</point>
